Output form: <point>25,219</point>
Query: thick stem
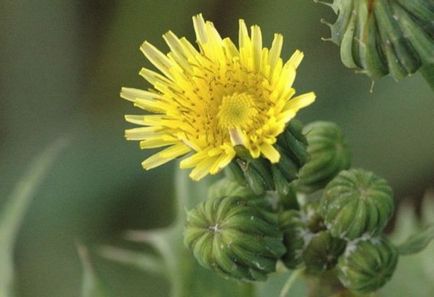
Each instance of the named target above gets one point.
<point>325,285</point>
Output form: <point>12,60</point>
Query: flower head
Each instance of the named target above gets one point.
<point>206,101</point>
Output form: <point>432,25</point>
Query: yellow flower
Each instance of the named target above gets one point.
<point>206,101</point>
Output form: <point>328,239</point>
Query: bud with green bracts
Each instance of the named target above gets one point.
<point>293,237</point>
<point>367,264</point>
<point>328,155</point>
<point>260,175</point>
<point>384,36</point>
<point>322,252</point>
<point>235,236</point>
<point>356,202</point>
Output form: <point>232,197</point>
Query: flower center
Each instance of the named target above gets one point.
<point>236,111</point>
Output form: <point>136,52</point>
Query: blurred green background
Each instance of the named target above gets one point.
<point>63,63</point>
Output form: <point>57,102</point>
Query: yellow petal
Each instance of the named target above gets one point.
<point>270,152</point>
<point>275,50</point>
<point>141,133</point>
<point>300,101</point>
<point>296,58</point>
<point>193,160</point>
<point>202,169</point>
<point>200,28</point>
<point>157,141</point>
<point>165,156</point>
<point>157,58</point>
<point>132,94</point>
<point>257,46</point>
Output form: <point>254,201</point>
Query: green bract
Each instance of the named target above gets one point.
<point>235,236</point>
<point>322,252</point>
<point>384,36</point>
<point>328,155</point>
<point>367,264</point>
<point>260,175</point>
<point>356,202</point>
<point>293,237</point>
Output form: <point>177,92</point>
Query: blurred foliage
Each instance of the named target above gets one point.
<point>63,63</point>
<point>91,285</point>
<point>13,213</point>
<point>415,273</point>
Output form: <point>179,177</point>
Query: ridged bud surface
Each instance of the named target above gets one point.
<point>384,36</point>
<point>322,252</point>
<point>356,202</point>
<point>368,265</point>
<point>293,238</point>
<point>235,236</point>
<point>328,155</point>
<point>260,175</point>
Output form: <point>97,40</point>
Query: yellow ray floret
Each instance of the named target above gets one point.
<point>206,100</point>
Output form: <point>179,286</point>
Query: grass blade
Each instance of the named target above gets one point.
<point>12,213</point>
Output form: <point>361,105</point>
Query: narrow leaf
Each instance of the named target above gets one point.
<point>12,213</point>
<point>417,242</point>
<point>91,285</point>
<point>146,262</point>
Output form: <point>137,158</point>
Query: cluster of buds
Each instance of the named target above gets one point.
<point>342,232</point>
<point>334,226</point>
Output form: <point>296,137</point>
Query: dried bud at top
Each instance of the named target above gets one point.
<point>328,155</point>
<point>234,236</point>
<point>367,265</point>
<point>383,36</point>
<point>356,202</point>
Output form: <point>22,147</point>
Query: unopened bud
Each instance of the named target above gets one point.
<point>328,155</point>
<point>367,264</point>
<point>356,202</point>
<point>235,236</point>
<point>293,238</point>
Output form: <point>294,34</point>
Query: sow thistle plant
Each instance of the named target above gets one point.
<point>285,196</point>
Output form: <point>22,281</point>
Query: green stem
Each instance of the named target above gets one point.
<point>290,282</point>
<point>428,73</point>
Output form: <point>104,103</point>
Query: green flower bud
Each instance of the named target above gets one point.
<point>293,238</point>
<point>328,155</point>
<point>261,175</point>
<point>235,236</point>
<point>384,36</point>
<point>367,264</point>
<point>356,202</point>
<point>322,252</point>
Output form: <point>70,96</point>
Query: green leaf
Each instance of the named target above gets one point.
<point>91,285</point>
<point>144,261</point>
<point>414,275</point>
<point>12,213</point>
<point>417,242</point>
